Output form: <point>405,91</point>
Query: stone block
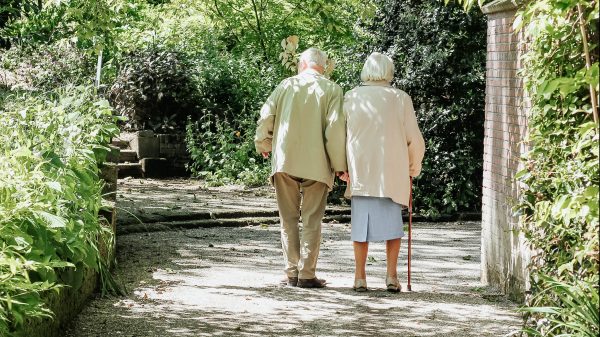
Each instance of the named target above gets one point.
<point>145,147</point>
<point>113,154</point>
<point>144,134</point>
<point>109,173</point>
<point>128,156</point>
<point>120,143</point>
<point>155,167</point>
<point>130,170</point>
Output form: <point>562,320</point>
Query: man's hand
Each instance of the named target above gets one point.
<point>265,155</point>
<point>344,176</point>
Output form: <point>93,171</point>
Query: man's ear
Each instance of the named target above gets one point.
<point>302,66</point>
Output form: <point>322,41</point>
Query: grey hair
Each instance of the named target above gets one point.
<point>378,67</point>
<point>313,57</point>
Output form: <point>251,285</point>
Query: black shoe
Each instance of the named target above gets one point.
<point>311,283</point>
<point>290,281</point>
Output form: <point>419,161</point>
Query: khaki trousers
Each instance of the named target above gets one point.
<point>295,197</point>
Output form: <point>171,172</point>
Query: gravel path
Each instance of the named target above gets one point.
<point>225,282</point>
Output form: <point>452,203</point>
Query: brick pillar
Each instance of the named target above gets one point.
<point>504,256</point>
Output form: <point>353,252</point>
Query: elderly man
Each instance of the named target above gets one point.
<point>302,124</point>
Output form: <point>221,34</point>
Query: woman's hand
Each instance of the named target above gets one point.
<point>344,176</point>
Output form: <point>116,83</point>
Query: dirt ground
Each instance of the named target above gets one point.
<point>224,281</point>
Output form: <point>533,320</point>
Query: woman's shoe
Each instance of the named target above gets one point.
<point>360,285</point>
<point>392,284</point>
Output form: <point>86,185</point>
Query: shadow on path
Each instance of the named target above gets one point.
<point>225,282</point>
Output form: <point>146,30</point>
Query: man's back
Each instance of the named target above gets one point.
<point>303,125</point>
<point>308,128</point>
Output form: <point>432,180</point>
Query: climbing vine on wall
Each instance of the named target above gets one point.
<point>559,203</point>
<point>560,181</point>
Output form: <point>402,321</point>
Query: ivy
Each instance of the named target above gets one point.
<point>559,198</point>
<point>558,203</point>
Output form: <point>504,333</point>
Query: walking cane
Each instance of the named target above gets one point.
<point>410,201</point>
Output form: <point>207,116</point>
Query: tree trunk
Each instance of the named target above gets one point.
<point>259,31</point>
<point>588,63</point>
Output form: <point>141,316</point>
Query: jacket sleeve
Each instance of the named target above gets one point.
<point>414,138</point>
<point>335,132</point>
<point>266,122</point>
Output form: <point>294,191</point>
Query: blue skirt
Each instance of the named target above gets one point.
<point>376,219</point>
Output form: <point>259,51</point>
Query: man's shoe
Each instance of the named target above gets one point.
<point>311,283</point>
<point>290,281</point>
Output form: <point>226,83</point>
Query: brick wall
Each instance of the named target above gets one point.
<point>504,256</point>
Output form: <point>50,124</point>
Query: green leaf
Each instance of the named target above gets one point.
<point>52,220</point>
<point>560,204</point>
<point>540,310</point>
<point>566,266</point>
<point>522,174</point>
<point>22,152</point>
<point>60,264</point>
<point>591,192</point>
<point>54,185</point>
<point>548,87</point>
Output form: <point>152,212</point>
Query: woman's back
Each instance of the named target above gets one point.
<point>382,137</point>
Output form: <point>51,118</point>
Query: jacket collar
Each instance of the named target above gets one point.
<point>311,71</point>
<point>382,83</point>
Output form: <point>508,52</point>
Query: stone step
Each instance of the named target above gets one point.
<point>141,227</point>
<point>130,170</point>
<point>120,143</point>
<point>113,154</point>
<point>333,214</point>
<point>128,156</point>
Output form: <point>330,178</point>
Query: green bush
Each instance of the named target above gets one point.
<point>223,90</point>
<point>155,90</point>
<point>48,66</point>
<point>221,154</point>
<point>50,195</point>
<point>221,141</point>
<point>439,53</point>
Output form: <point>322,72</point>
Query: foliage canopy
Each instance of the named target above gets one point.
<point>439,53</point>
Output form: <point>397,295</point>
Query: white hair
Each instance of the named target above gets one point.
<point>378,67</point>
<point>313,57</point>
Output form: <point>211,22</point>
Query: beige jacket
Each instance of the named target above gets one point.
<point>384,144</point>
<point>302,123</point>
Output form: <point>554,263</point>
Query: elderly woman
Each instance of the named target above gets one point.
<point>384,148</point>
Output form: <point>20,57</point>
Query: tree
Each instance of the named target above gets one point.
<point>439,53</point>
<point>259,25</point>
<point>91,24</point>
<point>13,9</point>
